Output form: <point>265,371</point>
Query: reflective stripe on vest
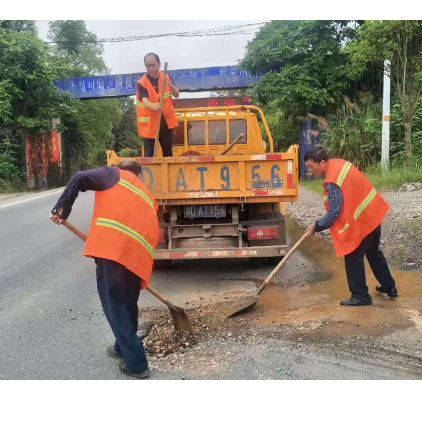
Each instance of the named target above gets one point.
<point>166,94</point>
<point>343,173</point>
<point>134,189</point>
<point>144,119</point>
<point>365,203</point>
<point>139,104</point>
<point>344,228</point>
<point>112,224</point>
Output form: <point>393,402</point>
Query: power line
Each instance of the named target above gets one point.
<point>220,31</point>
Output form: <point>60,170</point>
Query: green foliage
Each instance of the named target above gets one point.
<point>129,153</point>
<point>395,176</point>
<point>89,134</point>
<point>401,43</point>
<point>354,131</point>
<point>284,130</point>
<point>72,55</point>
<point>126,131</point>
<point>303,64</point>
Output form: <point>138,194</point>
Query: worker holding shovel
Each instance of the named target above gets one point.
<point>355,211</point>
<point>154,100</point>
<point>122,238</point>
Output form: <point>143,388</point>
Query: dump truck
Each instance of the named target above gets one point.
<point>214,205</point>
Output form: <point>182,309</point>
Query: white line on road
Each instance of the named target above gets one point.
<point>31,199</point>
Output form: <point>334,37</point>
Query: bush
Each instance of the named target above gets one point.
<point>129,153</point>
<point>8,171</point>
<point>354,132</point>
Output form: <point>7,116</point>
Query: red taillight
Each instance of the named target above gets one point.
<point>256,233</point>
<point>245,100</point>
<point>161,237</point>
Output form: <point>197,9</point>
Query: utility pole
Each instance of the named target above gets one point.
<point>385,151</point>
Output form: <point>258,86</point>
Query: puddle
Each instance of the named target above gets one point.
<point>317,302</point>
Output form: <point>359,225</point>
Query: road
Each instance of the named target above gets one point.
<point>52,325</point>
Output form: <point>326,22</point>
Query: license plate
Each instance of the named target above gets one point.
<point>196,211</point>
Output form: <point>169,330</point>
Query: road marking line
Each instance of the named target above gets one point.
<point>31,199</point>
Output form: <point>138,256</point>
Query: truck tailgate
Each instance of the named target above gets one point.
<point>231,178</point>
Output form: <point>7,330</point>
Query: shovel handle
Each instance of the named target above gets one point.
<point>232,144</point>
<point>159,296</point>
<point>160,113</point>
<point>73,229</point>
<point>280,265</point>
<point>81,235</point>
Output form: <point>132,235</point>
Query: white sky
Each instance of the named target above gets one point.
<point>179,52</point>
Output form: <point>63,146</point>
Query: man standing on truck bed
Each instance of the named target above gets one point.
<point>122,239</point>
<point>355,213</point>
<point>148,105</point>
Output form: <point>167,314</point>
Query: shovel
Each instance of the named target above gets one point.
<point>180,318</point>
<point>243,305</point>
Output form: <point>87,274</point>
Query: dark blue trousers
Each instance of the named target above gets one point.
<point>119,290</point>
<point>355,266</point>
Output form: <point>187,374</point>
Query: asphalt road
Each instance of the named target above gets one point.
<point>52,325</point>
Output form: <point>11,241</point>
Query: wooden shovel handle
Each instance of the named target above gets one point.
<point>73,229</point>
<point>159,296</point>
<point>232,144</point>
<point>280,265</point>
<point>160,113</point>
<point>81,235</point>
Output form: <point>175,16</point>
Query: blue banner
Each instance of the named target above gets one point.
<point>188,80</point>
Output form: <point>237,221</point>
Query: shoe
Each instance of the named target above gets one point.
<point>391,292</point>
<point>357,302</point>
<point>111,352</point>
<point>141,375</point>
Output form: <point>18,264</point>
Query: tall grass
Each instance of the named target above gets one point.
<point>354,131</point>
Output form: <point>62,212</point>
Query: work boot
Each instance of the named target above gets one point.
<point>353,301</point>
<point>111,352</point>
<point>391,291</point>
<point>141,375</point>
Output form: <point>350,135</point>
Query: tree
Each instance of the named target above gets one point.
<point>126,131</point>
<point>74,51</point>
<point>401,43</point>
<point>28,98</point>
<point>303,66</point>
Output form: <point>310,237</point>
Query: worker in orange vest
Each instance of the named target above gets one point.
<point>355,211</point>
<point>148,105</point>
<point>122,239</point>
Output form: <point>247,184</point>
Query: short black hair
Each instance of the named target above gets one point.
<point>156,56</point>
<point>316,154</point>
<point>130,165</point>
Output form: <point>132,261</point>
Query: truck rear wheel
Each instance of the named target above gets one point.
<point>274,261</point>
<point>257,261</point>
<point>162,264</point>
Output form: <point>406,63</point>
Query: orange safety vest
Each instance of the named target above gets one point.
<point>124,226</point>
<point>363,208</point>
<point>147,118</point>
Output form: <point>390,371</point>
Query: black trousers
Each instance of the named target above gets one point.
<point>166,141</point>
<point>119,290</point>
<point>355,267</point>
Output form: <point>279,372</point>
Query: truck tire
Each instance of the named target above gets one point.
<point>274,261</point>
<point>162,264</point>
<point>257,261</point>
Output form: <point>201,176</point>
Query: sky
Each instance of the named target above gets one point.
<point>179,52</point>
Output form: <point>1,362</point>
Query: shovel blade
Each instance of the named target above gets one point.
<point>181,320</point>
<point>239,306</point>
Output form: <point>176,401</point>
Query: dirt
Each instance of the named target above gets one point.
<point>401,239</point>
<point>300,316</point>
